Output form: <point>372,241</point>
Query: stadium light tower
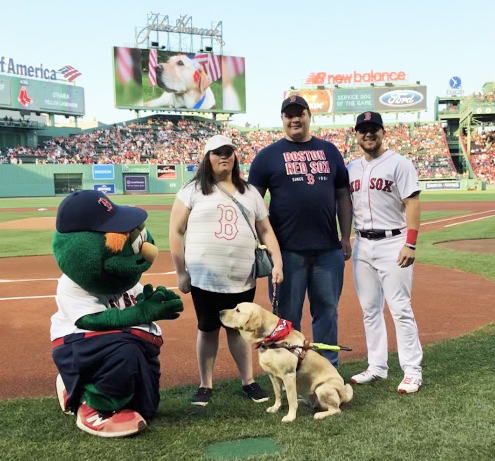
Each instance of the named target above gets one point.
<point>181,35</point>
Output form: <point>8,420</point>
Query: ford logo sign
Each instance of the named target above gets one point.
<point>401,98</point>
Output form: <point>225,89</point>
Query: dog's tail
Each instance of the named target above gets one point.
<point>348,393</point>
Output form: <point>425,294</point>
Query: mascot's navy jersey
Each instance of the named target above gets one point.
<point>302,178</point>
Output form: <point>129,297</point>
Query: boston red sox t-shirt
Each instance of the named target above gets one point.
<point>302,178</point>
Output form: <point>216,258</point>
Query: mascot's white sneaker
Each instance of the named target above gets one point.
<point>122,423</point>
<point>62,395</point>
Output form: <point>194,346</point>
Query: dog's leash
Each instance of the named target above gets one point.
<point>313,346</point>
<point>275,300</point>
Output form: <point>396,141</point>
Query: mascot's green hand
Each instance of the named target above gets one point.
<point>169,294</point>
<point>161,304</point>
<point>146,294</point>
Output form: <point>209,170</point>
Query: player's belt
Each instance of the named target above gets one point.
<point>377,234</point>
<point>156,340</point>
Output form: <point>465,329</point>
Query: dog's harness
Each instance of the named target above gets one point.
<point>280,332</point>
<point>298,351</point>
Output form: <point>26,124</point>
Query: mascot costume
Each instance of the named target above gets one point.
<point>105,341</point>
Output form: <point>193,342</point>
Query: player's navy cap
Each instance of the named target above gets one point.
<point>369,117</point>
<point>294,99</point>
<point>92,211</point>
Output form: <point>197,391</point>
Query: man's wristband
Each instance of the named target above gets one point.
<point>412,236</point>
<point>409,245</point>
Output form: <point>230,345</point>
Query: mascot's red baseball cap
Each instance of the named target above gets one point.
<point>369,117</point>
<point>92,211</point>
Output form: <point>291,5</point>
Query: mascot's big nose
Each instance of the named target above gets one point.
<point>149,252</point>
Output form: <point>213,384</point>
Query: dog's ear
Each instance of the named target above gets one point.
<point>204,81</point>
<point>254,322</point>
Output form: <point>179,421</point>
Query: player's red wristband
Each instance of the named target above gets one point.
<point>412,236</point>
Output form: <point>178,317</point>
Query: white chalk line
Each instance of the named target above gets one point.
<point>470,220</point>
<point>456,217</point>
<point>51,296</point>
<point>54,279</point>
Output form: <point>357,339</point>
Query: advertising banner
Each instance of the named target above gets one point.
<point>340,101</point>
<point>400,99</point>
<point>135,168</point>
<point>353,100</point>
<point>103,171</point>
<point>135,183</point>
<point>443,185</point>
<point>166,172</point>
<point>41,96</point>
<point>105,188</point>
<point>164,80</point>
<point>319,101</point>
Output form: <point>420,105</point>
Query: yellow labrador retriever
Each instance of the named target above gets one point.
<point>283,356</point>
<point>185,83</point>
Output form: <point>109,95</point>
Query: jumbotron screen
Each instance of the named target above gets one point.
<point>21,93</point>
<point>163,80</point>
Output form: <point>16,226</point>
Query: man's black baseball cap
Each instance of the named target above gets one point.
<point>296,100</point>
<point>369,117</point>
<point>92,211</point>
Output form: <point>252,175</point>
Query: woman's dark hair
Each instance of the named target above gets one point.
<point>204,176</point>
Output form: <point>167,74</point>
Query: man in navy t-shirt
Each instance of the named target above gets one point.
<point>309,188</point>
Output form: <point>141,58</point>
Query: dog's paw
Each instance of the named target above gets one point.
<point>288,418</point>
<point>273,409</point>
<point>324,414</point>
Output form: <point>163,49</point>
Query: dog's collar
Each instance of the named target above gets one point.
<point>281,331</point>
<point>201,101</point>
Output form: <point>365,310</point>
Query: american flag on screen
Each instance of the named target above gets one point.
<point>236,65</point>
<point>212,64</point>
<point>152,66</point>
<point>69,73</point>
<point>124,64</point>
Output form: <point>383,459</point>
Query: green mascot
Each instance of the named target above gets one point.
<point>105,342</point>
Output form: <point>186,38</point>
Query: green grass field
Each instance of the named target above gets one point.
<point>452,417</point>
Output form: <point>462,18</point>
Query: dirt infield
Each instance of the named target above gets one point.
<point>30,223</point>
<point>443,302</point>
<point>471,246</point>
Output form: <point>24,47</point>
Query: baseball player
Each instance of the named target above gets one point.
<point>385,195</point>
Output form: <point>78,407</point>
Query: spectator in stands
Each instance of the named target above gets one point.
<point>215,263</point>
<point>159,140</point>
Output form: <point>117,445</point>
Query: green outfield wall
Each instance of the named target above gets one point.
<point>51,180</point>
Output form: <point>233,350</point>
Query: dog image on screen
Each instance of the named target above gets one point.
<point>185,84</point>
<point>287,361</point>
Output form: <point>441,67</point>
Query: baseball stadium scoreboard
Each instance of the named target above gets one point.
<point>20,93</point>
<point>354,100</point>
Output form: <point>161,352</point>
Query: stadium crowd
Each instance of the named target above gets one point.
<point>158,140</point>
<point>482,156</point>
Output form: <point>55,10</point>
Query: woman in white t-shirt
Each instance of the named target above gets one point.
<point>214,261</point>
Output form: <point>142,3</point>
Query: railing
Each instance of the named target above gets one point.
<point>20,124</point>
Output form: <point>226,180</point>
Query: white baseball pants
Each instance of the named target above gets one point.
<point>378,278</point>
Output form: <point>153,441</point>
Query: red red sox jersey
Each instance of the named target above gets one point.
<point>378,189</point>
